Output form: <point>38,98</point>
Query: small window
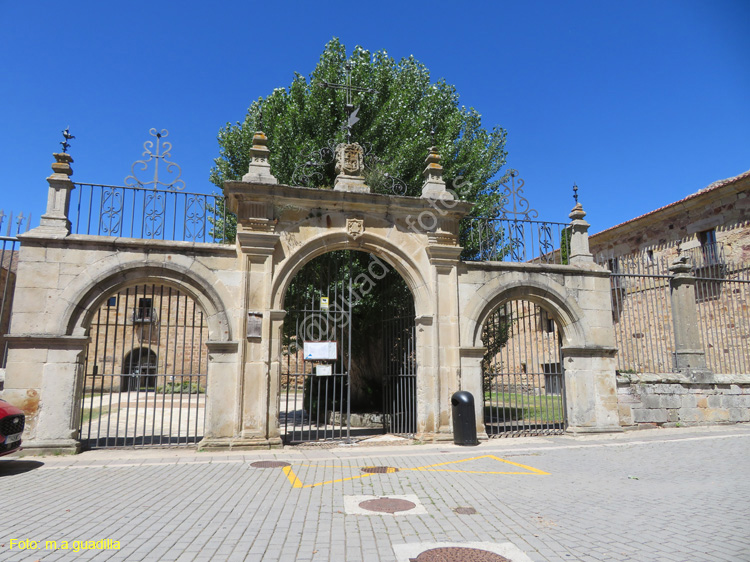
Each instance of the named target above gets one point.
<point>112,301</point>
<point>709,249</point>
<point>144,309</point>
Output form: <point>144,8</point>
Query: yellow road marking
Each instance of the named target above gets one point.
<point>528,471</point>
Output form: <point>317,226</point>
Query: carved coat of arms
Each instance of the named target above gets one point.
<point>355,227</point>
<point>349,159</point>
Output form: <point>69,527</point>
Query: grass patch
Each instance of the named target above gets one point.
<point>513,406</point>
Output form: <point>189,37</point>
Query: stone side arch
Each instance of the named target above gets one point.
<point>538,289</point>
<point>579,300</point>
<point>86,293</point>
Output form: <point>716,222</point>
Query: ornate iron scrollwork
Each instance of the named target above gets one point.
<point>520,209</point>
<point>162,152</point>
<point>307,173</point>
<point>112,200</point>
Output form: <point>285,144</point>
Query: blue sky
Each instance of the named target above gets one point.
<point>639,103</point>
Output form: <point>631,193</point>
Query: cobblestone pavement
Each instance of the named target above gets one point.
<point>654,495</point>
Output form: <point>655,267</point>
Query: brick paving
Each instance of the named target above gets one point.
<point>664,494</point>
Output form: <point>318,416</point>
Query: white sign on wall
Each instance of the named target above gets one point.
<point>321,350</point>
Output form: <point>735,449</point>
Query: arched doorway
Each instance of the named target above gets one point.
<point>522,371</point>
<point>349,353</point>
<point>145,369</point>
<point>139,369</point>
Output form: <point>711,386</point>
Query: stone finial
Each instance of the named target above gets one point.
<point>350,165</point>
<point>259,170</point>
<point>577,213</point>
<point>579,236</point>
<point>434,186</point>
<point>61,166</point>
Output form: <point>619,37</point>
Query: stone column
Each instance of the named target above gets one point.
<point>222,409</point>
<point>690,358</point>
<point>54,222</point>
<point>45,380</point>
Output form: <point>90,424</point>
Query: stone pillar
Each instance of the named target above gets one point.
<point>256,380</point>
<point>690,358</point>
<point>259,170</point>
<point>221,414</point>
<point>54,222</point>
<point>591,389</point>
<point>44,379</point>
<point>579,237</point>
<point>471,381</point>
<point>427,379</point>
<point>444,260</point>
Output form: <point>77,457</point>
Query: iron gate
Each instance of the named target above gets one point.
<point>332,297</point>
<point>400,376</point>
<point>146,365</point>
<point>523,378</point>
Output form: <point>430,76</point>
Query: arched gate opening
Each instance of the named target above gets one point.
<point>349,353</point>
<point>145,370</point>
<point>522,371</point>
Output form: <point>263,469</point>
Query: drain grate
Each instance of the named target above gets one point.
<point>458,554</point>
<point>379,469</point>
<point>269,464</point>
<point>387,505</point>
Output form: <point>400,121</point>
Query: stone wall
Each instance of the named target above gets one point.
<point>676,399</point>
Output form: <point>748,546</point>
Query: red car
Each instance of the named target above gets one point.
<point>12,421</point>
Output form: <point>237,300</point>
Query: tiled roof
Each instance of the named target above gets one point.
<point>714,186</point>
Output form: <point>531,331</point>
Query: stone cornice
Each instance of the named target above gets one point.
<point>589,351</point>
<point>588,269</point>
<point>222,346</point>
<point>117,243</point>
<point>46,341</point>
<point>340,201</point>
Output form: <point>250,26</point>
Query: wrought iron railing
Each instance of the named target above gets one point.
<point>158,214</point>
<point>9,246</point>
<point>510,240</point>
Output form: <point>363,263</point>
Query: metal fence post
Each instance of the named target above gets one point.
<point>689,354</point>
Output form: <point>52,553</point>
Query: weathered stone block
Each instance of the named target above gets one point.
<point>692,415</point>
<point>649,416</point>
<point>739,414</point>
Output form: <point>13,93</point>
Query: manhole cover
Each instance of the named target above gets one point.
<point>269,464</point>
<point>465,510</point>
<point>387,505</point>
<point>458,554</point>
<point>379,469</point>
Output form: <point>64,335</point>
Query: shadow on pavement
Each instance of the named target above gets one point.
<point>10,467</point>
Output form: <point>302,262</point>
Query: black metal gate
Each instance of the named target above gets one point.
<point>340,293</point>
<point>524,383</point>
<point>146,365</point>
<point>400,377</point>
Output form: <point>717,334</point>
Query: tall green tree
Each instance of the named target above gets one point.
<point>396,120</point>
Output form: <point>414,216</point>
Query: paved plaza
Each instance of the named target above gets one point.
<point>654,495</point>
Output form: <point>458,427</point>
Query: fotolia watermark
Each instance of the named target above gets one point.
<point>427,220</point>
<point>322,325</point>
